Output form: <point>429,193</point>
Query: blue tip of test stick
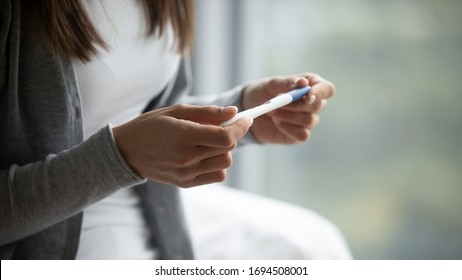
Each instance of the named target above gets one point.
<point>299,93</point>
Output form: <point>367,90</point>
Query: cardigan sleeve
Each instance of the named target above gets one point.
<point>37,195</point>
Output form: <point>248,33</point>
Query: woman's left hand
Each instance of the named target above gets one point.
<point>292,123</point>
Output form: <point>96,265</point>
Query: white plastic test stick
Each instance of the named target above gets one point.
<point>270,105</point>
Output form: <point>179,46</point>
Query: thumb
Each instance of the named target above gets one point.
<point>204,114</point>
<point>279,85</point>
<point>240,127</point>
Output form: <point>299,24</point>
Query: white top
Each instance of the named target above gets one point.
<point>114,88</point>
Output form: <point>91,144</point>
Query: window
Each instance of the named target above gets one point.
<point>385,162</point>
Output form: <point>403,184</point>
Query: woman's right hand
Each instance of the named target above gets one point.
<point>182,144</point>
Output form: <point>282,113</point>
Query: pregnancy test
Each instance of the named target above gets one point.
<point>270,105</point>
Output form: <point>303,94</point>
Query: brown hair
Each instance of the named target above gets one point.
<point>71,32</point>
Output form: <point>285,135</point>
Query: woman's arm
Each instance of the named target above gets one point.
<point>37,195</point>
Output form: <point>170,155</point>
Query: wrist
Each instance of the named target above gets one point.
<point>120,144</point>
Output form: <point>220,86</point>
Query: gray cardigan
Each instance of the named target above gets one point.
<point>48,173</point>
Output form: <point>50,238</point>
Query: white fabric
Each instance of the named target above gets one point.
<point>226,223</point>
<point>114,228</point>
<point>117,85</point>
<point>114,88</point>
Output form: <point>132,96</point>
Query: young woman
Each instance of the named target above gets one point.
<point>75,77</point>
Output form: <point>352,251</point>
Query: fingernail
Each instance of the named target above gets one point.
<point>312,99</point>
<point>229,109</point>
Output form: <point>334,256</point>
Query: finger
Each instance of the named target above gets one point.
<point>318,107</point>
<point>320,87</point>
<point>203,179</point>
<point>215,163</point>
<point>239,128</point>
<point>301,106</point>
<point>204,152</point>
<point>294,134</point>
<point>203,114</point>
<point>208,165</point>
<point>303,120</point>
<point>278,85</point>
<point>217,136</point>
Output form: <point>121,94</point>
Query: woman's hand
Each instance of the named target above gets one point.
<point>292,123</point>
<point>181,144</point>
